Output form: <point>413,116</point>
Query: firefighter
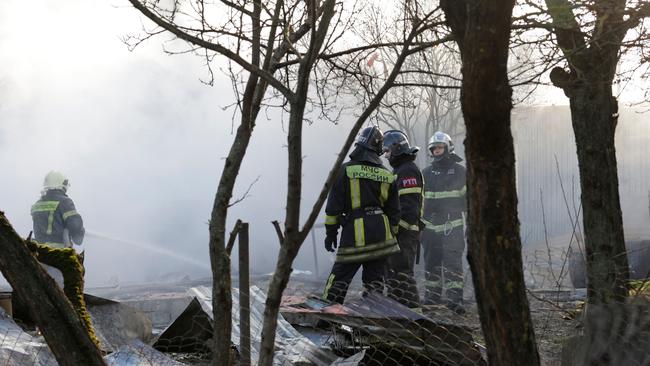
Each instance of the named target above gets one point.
<point>401,275</point>
<point>443,239</point>
<point>57,223</point>
<point>363,202</point>
<point>59,233</point>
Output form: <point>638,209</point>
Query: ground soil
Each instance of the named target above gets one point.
<point>554,321</point>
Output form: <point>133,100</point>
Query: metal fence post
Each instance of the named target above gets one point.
<point>244,296</point>
<point>313,242</point>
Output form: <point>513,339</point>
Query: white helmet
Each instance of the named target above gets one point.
<point>55,180</point>
<point>442,138</point>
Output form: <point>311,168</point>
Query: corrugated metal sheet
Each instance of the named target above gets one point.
<point>194,327</point>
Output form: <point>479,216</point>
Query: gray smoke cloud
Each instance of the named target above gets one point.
<point>141,140</point>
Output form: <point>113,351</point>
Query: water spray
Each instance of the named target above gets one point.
<point>153,248</point>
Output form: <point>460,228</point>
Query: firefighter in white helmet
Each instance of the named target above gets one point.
<point>56,220</point>
<point>443,238</point>
<point>58,235</point>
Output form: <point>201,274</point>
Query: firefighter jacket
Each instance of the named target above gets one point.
<point>410,190</point>
<point>364,203</point>
<point>444,194</point>
<point>55,217</point>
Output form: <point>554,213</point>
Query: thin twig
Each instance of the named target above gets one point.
<point>558,307</point>
<point>246,194</point>
<point>278,231</point>
<point>548,246</point>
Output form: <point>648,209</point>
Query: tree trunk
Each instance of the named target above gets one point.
<point>278,283</point>
<point>482,30</point>
<point>592,113</point>
<point>221,283</point>
<point>292,235</point>
<point>61,326</point>
<point>220,259</point>
<point>592,58</point>
<point>258,81</point>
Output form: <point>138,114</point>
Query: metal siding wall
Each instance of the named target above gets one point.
<point>541,134</point>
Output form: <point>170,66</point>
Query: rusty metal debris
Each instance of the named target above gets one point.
<point>390,333</point>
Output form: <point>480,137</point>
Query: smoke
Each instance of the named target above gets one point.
<point>141,140</point>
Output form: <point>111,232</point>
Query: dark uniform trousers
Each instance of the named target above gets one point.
<point>443,254</point>
<point>401,282</point>
<point>342,274</point>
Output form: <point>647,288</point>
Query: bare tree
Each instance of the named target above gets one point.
<point>428,95</point>
<point>482,31</point>
<point>428,98</point>
<point>294,234</point>
<point>425,94</point>
<point>284,25</point>
<point>582,43</point>
<point>592,57</point>
<point>288,64</point>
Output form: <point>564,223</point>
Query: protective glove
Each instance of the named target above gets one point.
<point>330,243</point>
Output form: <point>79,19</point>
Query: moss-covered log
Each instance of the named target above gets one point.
<point>60,324</point>
<point>68,262</point>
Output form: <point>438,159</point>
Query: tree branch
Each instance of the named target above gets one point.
<point>233,236</point>
<point>278,231</point>
<point>268,77</point>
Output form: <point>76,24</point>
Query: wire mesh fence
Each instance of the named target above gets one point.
<point>368,328</point>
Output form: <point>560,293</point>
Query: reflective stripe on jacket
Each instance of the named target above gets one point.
<point>364,202</point>
<point>445,228</point>
<point>410,187</point>
<point>52,214</point>
<point>444,191</point>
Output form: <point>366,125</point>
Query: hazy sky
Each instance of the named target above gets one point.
<point>140,138</point>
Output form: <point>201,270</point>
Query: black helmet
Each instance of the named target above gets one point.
<point>397,144</point>
<point>371,138</point>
